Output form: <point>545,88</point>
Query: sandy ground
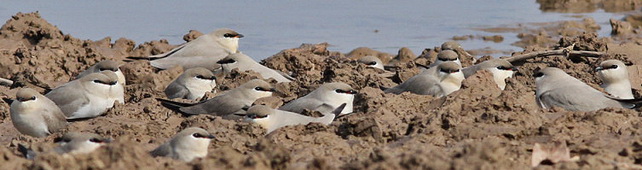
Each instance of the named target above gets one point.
<point>479,126</point>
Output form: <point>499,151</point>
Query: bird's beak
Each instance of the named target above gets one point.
<point>239,36</point>
<point>515,69</point>
<point>210,137</point>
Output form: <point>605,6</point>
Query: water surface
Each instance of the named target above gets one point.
<point>271,26</point>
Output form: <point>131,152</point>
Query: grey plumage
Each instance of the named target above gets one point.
<point>192,84</point>
<point>35,115</point>
<point>447,79</point>
<point>326,98</point>
<point>556,88</point>
<point>89,96</point>
<point>272,119</point>
<point>105,65</point>
<point>187,145</point>
<point>615,79</point>
<point>227,103</point>
<point>243,63</point>
<point>203,51</point>
<point>501,69</point>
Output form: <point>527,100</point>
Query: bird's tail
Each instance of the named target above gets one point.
<point>175,106</point>
<point>629,103</point>
<point>26,152</point>
<point>337,112</point>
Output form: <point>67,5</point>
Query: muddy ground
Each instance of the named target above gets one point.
<point>479,126</point>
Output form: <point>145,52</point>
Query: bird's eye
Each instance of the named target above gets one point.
<point>95,140</point>
<point>538,74</point>
<point>449,71</point>
<point>32,98</point>
<point>197,135</point>
<point>226,61</point>
<point>200,77</point>
<point>613,67</point>
<point>372,63</point>
<point>260,89</point>
<point>98,81</point>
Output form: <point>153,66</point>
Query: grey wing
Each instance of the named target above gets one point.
<point>167,54</point>
<point>56,121</point>
<point>162,150</point>
<point>220,106</point>
<point>68,99</point>
<point>573,98</point>
<point>469,71</point>
<point>86,72</point>
<point>298,105</point>
<point>174,90</point>
<point>421,84</point>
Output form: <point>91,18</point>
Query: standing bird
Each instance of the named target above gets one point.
<point>244,63</point>
<point>89,96</point>
<point>272,119</point>
<point>203,51</point>
<point>192,84</point>
<point>447,79</point>
<point>187,145</point>
<point>105,65</point>
<point>615,79</point>
<point>556,88</point>
<point>324,99</point>
<point>500,68</point>
<point>35,115</point>
<point>227,103</point>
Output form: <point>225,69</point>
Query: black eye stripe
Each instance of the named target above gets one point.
<point>226,61</point>
<point>449,71</point>
<point>538,74</point>
<point>110,69</point>
<point>255,116</point>
<point>106,83</point>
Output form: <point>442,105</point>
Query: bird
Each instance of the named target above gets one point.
<point>371,61</point>
<point>71,143</point>
<point>447,79</point>
<point>325,98</point>
<point>187,145</point>
<point>456,47</point>
<point>227,103</point>
<point>556,88</point>
<point>446,55</point>
<point>203,51</point>
<point>615,79</point>
<point>89,96</point>
<point>501,69</point>
<point>192,84</point>
<point>35,115</point>
<point>80,143</point>
<point>272,119</point>
<point>243,63</point>
<point>105,65</point>
<point>450,45</point>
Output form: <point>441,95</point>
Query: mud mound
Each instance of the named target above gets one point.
<point>477,126</point>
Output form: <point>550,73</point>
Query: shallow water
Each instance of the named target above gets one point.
<point>271,26</point>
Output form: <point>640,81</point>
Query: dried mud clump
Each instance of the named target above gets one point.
<point>477,126</point>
